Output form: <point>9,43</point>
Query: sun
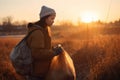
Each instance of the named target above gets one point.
<point>89,17</point>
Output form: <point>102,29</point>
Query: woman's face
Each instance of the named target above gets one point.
<point>50,20</point>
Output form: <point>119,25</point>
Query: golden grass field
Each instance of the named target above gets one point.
<point>96,55</point>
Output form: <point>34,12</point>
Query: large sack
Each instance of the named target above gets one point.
<point>62,68</point>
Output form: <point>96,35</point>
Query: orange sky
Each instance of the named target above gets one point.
<point>73,10</point>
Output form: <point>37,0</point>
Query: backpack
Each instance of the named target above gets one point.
<point>21,58</point>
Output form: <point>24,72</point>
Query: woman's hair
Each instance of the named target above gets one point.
<point>42,21</point>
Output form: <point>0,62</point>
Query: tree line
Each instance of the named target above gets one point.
<point>7,26</point>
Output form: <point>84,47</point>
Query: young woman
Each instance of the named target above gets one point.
<point>40,44</point>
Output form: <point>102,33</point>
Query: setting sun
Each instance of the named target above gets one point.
<point>89,17</point>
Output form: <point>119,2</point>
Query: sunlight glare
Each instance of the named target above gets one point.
<point>89,17</point>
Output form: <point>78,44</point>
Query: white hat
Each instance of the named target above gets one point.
<point>46,11</point>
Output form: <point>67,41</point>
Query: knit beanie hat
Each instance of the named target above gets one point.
<point>46,11</point>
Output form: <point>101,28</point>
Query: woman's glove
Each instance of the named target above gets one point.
<point>58,49</point>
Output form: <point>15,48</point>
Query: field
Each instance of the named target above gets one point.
<point>94,50</point>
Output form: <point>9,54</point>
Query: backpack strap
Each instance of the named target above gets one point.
<point>30,33</point>
<point>25,38</point>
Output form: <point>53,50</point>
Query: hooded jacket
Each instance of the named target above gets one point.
<point>40,44</point>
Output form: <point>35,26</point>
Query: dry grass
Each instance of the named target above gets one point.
<point>7,71</point>
<point>96,57</point>
<point>99,59</point>
<point>96,54</point>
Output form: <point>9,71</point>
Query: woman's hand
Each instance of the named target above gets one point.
<point>58,49</point>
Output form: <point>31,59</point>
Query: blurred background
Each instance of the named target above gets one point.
<point>89,30</point>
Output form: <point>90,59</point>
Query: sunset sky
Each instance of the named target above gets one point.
<point>73,10</point>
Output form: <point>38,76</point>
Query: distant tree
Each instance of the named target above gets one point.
<point>117,23</point>
<point>99,22</point>
<point>7,20</point>
<point>16,23</point>
<point>23,23</point>
<point>7,23</point>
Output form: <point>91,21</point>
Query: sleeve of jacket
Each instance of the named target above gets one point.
<point>38,47</point>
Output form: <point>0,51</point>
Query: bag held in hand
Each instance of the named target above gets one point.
<point>61,68</point>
